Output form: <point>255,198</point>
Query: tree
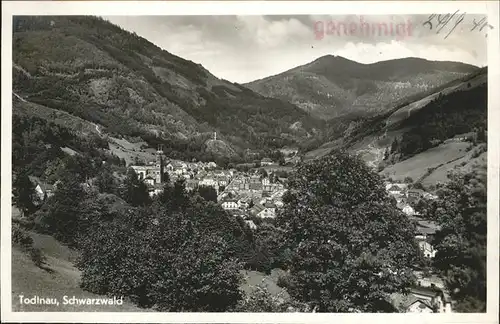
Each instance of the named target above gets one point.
<point>395,146</point>
<point>208,193</point>
<point>263,173</point>
<point>106,182</point>
<point>179,197</point>
<point>176,260</point>
<point>24,193</point>
<point>461,241</point>
<point>270,250</point>
<point>352,246</point>
<point>135,192</point>
<point>60,215</point>
<point>408,180</point>
<point>386,154</point>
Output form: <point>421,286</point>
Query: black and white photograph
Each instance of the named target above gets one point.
<point>294,163</point>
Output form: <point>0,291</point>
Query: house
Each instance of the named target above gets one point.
<point>437,298</point>
<point>191,184</point>
<point>223,180</point>
<point>419,306</point>
<point>422,300</point>
<point>44,190</point>
<point>251,224</point>
<point>430,196</point>
<point>269,210</point>
<point>257,209</point>
<point>208,182</point>
<point>155,189</point>
<point>395,190</point>
<point>266,181</point>
<point>429,280</point>
<point>427,249</point>
<point>425,229</point>
<point>244,203</point>
<point>255,186</point>
<point>230,204</point>
<point>266,161</point>
<point>282,181</point>
<point>462,137</point>
<point>149,181</point>
<point>293,160</point>
<point>278,202</point>
<point>287,151</point>
<point>415,193</point>
<point>402,186</point>
<point>408,210</point>
<point>211,165</point>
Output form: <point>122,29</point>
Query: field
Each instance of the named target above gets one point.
<point>129,151</point>
<point>441,159</point>
<point>61,279</point>
<point>464,164</point>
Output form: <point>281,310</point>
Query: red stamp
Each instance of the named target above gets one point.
<point>363,27</point>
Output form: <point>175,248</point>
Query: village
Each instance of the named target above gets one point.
<point>256,195</point>
<point>252,194</point>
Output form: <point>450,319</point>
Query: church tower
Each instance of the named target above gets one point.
<point>160,163</point>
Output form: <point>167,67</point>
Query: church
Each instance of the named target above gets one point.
<point>152,174</point>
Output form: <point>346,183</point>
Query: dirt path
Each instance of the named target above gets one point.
<point>19,97</point>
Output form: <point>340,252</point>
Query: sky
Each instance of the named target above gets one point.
<point>246,48</point>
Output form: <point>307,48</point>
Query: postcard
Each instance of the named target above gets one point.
<point>250,161</point>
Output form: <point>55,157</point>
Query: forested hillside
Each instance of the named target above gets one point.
<point>93,69</point>
<point>333,87</point>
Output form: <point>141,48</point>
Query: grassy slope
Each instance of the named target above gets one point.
<point>416,166</point>
<point>63,279</point>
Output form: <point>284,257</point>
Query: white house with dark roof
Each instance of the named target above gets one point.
<point>266,161</point>
<point>269,210</point>
<point>42,190</point>
<point>230,204</point>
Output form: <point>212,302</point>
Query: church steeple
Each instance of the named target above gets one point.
<point>160,163</point>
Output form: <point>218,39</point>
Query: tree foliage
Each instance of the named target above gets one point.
<point>135,191</point>
<point>23,191</point>
<point>461,242</point>
<point>207,192</point>
<point>170,256</point>
<point>352,246</point>
<point>60,215</point>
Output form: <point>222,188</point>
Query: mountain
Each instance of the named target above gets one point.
<point>87,73</point>
<point>333,86</point>
<point>418,138</point>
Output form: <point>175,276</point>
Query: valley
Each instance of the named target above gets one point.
<point>331,187</point>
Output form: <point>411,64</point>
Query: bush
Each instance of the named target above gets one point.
<point>24,240</point>
<point>37,256</point>
<point>284,281</point>
<point>21,237</point>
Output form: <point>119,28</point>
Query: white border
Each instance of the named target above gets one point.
<point>249,8</point>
